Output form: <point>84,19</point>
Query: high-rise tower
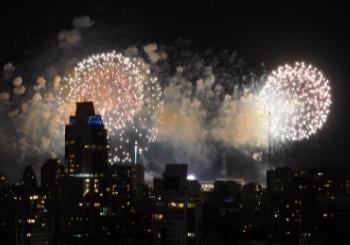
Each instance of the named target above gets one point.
<point>85,185</point>
<point>86,142</point>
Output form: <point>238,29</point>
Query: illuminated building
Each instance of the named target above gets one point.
<point>177,208</point>
<point>123,183</point>
<point>52,173</point>
<point>127,182</point>
<point>207,186</point>
<point>253,196</point>
<point>221,212</point>
<point>51,176</point>
<point>86,142</point>
<point>84,199</point>
<point>278,179</point>
<point>252,211</point>
<point>6,208</point>
<point>128,196</point>
<point>31,211</point>
<point>32,221</point>
<point>311,204</point>
<point>333,219</point>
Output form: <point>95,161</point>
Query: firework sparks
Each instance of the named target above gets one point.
<point>124,93</point>
<point>297,99</point>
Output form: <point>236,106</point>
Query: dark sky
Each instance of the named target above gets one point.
<point>271,36</point>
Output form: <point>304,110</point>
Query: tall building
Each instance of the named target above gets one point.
<point>177,208</point>
<point>126,182</point>
<point>6,208</point>
<point>86,142</point>
<point>278,179</point>
<point>308,204</point>
<point>52,172</point>
<point>84,201</point>
<point>31,219</point>
<point>253,196</point>
<point>221,212</point>
<point>30,182</point>
<point>122,195</point>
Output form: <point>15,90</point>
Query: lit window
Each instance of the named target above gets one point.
<point>34,197</point>
<point>191,205</point>
<point>191,234</point>
<point>157,216</point>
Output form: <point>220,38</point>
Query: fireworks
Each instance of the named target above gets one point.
<point>297,99</point>
<point>124,93</point>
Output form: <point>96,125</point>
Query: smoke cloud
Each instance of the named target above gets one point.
<point>83,22</point>
<point>4,96</point>
<point>153,54</point>
<point>69,38</point>
<point>9,67</point>
<point>19,90</point>
<point>17,81</point>
<point>210,116</point>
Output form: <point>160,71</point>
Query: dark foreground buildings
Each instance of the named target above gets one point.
<point>87,201</point>
<point>177,208</point>
<point>309,205</point>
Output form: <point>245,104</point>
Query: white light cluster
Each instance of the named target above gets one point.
<point>297,100</point>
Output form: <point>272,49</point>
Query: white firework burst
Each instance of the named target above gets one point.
<point>297,98</point>
<point>125,94</point>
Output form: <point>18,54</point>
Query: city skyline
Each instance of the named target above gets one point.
<point>87,200</point>
<point>175,125</point>
<point>213,143</point>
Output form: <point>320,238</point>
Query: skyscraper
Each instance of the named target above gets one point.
<point>86,142</point>
<point>51,173</point>
<point>177,208</point>
<point>86,160</point>
<point>31,219</point>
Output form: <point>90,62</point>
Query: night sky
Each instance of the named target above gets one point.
<point>272,37</point>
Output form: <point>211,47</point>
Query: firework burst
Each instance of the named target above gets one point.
<point>297,99</point>
<point>124,93</point>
